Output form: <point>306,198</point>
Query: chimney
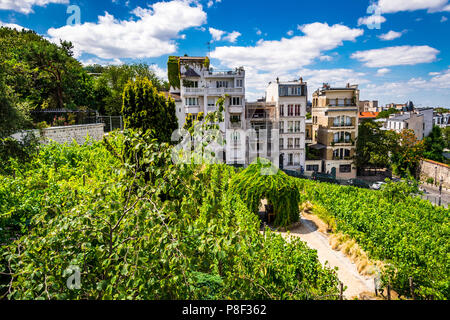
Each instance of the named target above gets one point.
<point>278,80</point>
<point>348,85</point>
<point>301,80</point>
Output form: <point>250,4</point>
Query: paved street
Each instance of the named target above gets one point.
<point>432,194</point>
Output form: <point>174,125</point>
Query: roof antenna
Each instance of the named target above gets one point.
<point>209,48</point>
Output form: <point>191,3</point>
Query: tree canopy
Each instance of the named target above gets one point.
<point>144,108</point>
<point>42,73</point>
<point>110,82</point>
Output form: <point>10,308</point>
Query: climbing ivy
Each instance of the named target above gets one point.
<point>256,183</point>
<point>173,69</point>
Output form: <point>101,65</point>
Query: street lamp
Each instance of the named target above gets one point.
<point>440,190</point>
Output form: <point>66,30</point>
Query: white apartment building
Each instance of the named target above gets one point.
<point>290,99</point>
<point>421,122</point>
<point>201,87</point>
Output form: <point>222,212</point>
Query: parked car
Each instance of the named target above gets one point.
<point>358,183</point>
<point>377,185</point>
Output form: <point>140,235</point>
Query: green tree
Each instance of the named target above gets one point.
<point>42,73</point>
<point>407,154</point>
<point>113,79</point>
<point>447,137</point>
<point>386,113</point>
<point>144,108</point>
<point>435,145</point>
<point>374,145</point>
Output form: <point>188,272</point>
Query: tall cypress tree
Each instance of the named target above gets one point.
<point>144,108</point>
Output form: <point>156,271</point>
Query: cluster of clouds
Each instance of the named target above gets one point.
<point>220,35</point>
<point>155,30</point>
<point>26,6</point>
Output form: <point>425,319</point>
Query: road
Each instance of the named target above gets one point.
<point>347,270</point>
<point>432,194</point>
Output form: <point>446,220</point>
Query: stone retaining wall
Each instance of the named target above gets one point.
<point>436,171</point>
<point>70,133</point>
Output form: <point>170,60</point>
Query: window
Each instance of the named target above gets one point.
<point>281,143</point>
<point>239,83</point>
<point>236,137</point>
<point>297,143</point>
<point>341,154</point>
<point>192,102</point>
<point>236,101</point>
<point>345,168</point>
<point>235,118</point>
<point>290,110</point>
<point>297,126</point>
<point>222,84</point>
<point>211,102</point>
<point>290,126</point>
<point>282,126</point>
<point>291,160</point>
<point>290,143</point>
<point>282,111</point>
<point>312,167</point>
<point>297,110</point>
<point>342,121</point>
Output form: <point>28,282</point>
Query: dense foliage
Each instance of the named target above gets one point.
<point>110,81</point>
<point>182,237</point>
<point>41,73</point>
<point>409,233</point>
<point>173,70</point>
<point>401,152</point>
<point>144,108</point>
<point>261,181</point>
<point>435,145</point>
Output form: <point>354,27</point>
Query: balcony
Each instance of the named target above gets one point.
<point>236,109</point>
<point>222,91</point>
<point>224,73</point>
<point>236,125</point>
<point>192,109</point>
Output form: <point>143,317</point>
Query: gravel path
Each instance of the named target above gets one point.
<point>347,271</point>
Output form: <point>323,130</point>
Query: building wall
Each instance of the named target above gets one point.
<point>436,171</point>
<point>70,133</point>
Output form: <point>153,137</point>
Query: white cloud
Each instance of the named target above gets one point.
<point>371,20</point>
<point>425,91</point>
<point>211,3</point>
<point>151,35</point>
<point>443,19</point>
<point>392,6</point>
<point>219,35</point>
<point>396,56</point>
<point>102,62</point>
<point>325,58</point>
<point>216,34</point>
<point>12,26</point>
<point>383,71</point>
<point>290,33</point>
<point>160,73</point>
<point>288,54</point>
<point>434,73</point>
<point>26,6</point>
<point>232,37</point>
<point>391,35</point>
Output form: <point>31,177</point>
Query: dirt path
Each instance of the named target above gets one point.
<point>347,272</point>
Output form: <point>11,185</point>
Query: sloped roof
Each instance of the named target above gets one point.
<point>191,73</point>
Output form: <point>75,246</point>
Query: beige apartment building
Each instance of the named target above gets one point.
<point>335,115</point>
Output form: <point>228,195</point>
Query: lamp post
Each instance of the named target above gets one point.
<point>440,191</point>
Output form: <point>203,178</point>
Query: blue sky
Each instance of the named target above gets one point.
<point>396,50</point>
